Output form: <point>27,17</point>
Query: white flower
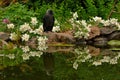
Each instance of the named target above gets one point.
<point>33,53</point>
<point>72,21</point>
<point>75,65</point>
<point>88,57</point>
<point>118,55</point>
<point>25,56</point>
<point>56,22</point>
<point>118,26</point>
<point>113,61</point>
<point>77,51</point>
<point>39,54</point>
<point>86,35</point>
<point>25,37</point>
<point>36,53</point>
<point>42,40</point>
<point>25,27</point>
<point>32,31</point>
<point>105,22</point>
<point>105,59</point>
<point>42,47</point>
<point>39,30</point>
<point>88,27</point>
<point>11,56</point>
<point>78,34</point>
<point>96,63</point>
<point>13,36</point>
<point>34,20</point>
<point>83,22</point>
<point>97,19</point>
<point>56,29</point>
<point>113,21</point>
<point>75,15</point>
<point>2,55</point>
<point>10,26</point>
<point>25,49</point>
<point>42,43</point>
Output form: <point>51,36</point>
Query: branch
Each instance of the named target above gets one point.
<point>115,2</point>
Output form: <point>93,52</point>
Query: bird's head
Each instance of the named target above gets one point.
<point>49,11</point>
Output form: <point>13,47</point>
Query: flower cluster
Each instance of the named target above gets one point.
<point>25,37</point>
<point>75,15</point>
<point>27,31</point>
<point>32,31</point>
<point>27,53</point>
<point>10,26</point>
<point>34,20</point>
<point>57,27</point>
<point>110,22</point>
<point>83,55</point>
<point>42,43</point>
<point>81,27</point>
<point>11,56</point>
<point>83,30</point>
<point>25,27</point>
<point>6,21</point>
<point>14,36</point>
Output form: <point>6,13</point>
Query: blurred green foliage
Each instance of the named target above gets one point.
<point>16,13</point>
<point>20,11</point>
<point>35,69</point>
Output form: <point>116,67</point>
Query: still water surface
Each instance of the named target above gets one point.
<point>64,63</point>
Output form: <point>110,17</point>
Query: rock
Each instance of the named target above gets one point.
<point>95,31</point>
<point>115,36</point>
<point>4,36</point>
<point>2,43</point>
<point>80,42</point>
<point>32,43</point>
<point>94,51</point>
<point>64,37</point>
<point>63,49</point>
<point>52,37</point>
<point>106,52</point>
<point>100,41</point>
<point>59,37</point>
<point>106,30</point>
<point>114,43</point>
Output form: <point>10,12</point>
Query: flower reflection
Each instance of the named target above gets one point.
<point>36,53</point>
<point>105,59</point>
<point>113,61</point>
<point>75,65</point>
<point>11,56</point>
<point>84,55</point>
<point>96,63</point>
<point>25,48</point>
<point>25,56</point>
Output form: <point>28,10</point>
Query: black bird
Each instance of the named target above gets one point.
<point>48,21</point>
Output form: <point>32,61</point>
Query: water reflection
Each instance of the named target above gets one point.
<point>48,60</point>
<point>61,63</point>
<point>95,56</point>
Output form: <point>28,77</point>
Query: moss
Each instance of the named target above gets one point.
<point>114,42</point>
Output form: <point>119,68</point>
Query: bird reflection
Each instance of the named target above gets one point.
<point>48,60</point>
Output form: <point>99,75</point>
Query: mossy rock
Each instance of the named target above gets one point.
<point>114,42</point>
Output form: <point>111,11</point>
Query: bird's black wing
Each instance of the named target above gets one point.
<point>48,22</point>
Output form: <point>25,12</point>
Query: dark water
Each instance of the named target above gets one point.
<point>57,64</point>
